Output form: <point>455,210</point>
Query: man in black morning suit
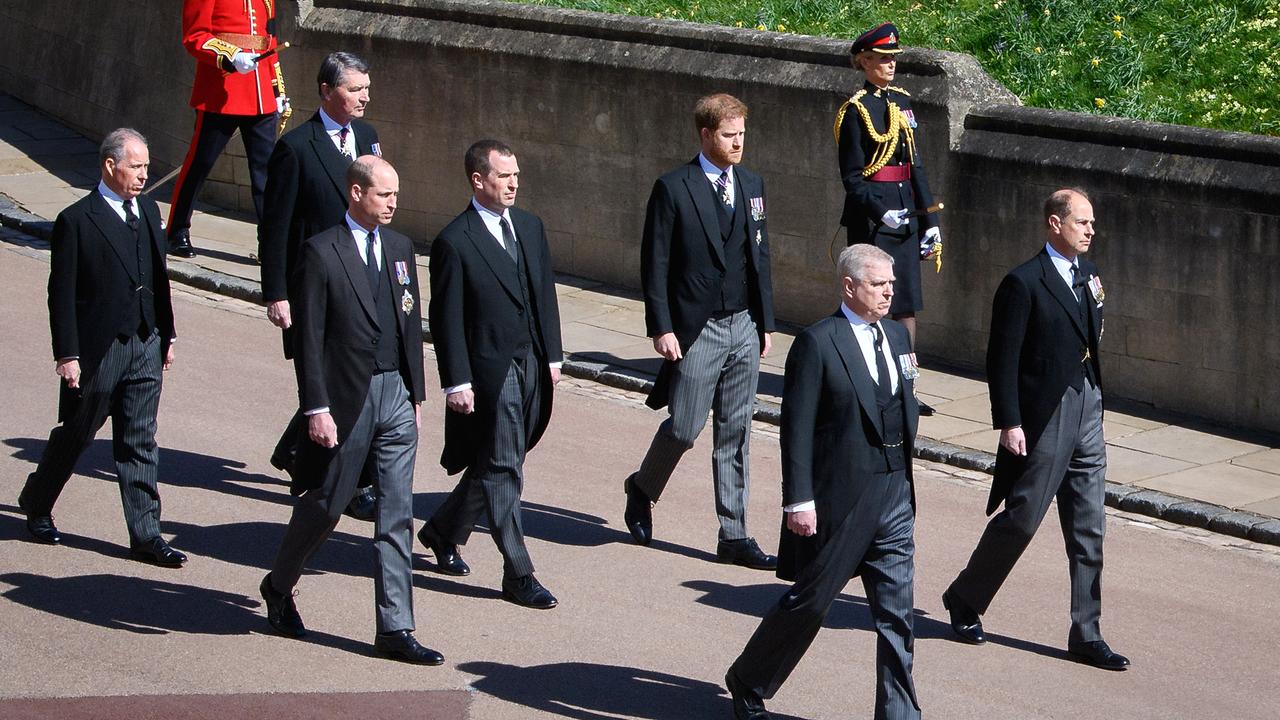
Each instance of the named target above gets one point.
<point>496,328</point>
<point>112,325</point>
<point>708,299</point>
<point>358,356</point>
<point>849,418</point>
<point>306,194</point>
<point>1046,400</point>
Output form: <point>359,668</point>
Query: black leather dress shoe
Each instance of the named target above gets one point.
<point>448,561</point>
<point>527,591</point>
<point>41,527</point>
<point>926,410</point>
<point>363,505</point>
<point>402,645</point>
<point>639,513</point>
<point>1098,654</point>
<point>745,552</point>
<point>747,705</point>
<point>157,552</point>
<point>180,244</point>
<point>964,620</point>
<point>282,613</point>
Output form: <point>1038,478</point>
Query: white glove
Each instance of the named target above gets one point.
<point>932,238</point>
<point>282,104</point>
<point>894,219</point>
<point>244,62</point>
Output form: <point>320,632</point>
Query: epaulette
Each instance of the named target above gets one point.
<point>835,130</point>
<point>898,90</point>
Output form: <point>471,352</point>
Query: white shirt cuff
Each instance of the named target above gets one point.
<point>457,388</point>
<point>799,507</point>
<point>317,411</point>
<point>556,365</point>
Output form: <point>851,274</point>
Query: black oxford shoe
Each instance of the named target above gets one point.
<point>527,591</point>
<point>363,505</point>
<point>180,244</point>
<point>964,620</point>
<point>41,527</point>
<point>157,552</point>
<point>1098,654</point>
<point>747,705</point>
<point>639,512</point>
<point>403,646</point>
<point>448,561</point>
<point>926,410</point>
<point>282,613</point>
<point>745,552</point>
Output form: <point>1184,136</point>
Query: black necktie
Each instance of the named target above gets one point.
<point>883,391</point>
<point>509,239</point>
<point>129,216</point>
<point>1077,286</point>
<point>722,189</point>
<point>371,263</point>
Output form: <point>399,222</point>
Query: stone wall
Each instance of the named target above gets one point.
<point>598,106</point>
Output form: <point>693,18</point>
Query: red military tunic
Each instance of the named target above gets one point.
<point>213,31</point>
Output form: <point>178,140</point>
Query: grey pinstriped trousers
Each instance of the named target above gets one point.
<point>1068,462</point>
<point>492,485</point>
<point>126,387</point>
<point>719,373</point>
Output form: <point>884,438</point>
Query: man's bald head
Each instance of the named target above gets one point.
<point>372,189</point>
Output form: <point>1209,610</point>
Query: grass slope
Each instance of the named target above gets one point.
<point>1212,63</point>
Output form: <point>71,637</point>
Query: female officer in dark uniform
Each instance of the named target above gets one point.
<point>883,175</point>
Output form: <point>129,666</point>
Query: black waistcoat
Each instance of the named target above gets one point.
<point>387,355</point>
<point>141,317</point>
<point>733,237</point>
<point>893,419</point>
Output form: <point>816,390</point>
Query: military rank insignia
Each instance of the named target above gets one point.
<point>402,272</point>
<point>757,209</point>
<point>406,302</point>
<point>1095,289</point>
<point>910,366</point>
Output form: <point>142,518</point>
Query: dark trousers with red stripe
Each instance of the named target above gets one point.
<point>213,131</point>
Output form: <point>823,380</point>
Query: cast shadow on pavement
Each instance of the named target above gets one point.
<point>560,526</point>
<point>254,544</point>
<point>848,612</point>
<point>179,468</point>
<point>589,691</point>
<point>151,607</point>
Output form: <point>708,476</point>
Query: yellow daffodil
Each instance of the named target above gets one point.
<point>1095,62</point>
<point>1117,18</point>
<point>1039,50</point>
<point>1099,103</point>
<point>1117,34</point>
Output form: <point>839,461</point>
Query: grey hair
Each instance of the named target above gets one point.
<point>334,68</point>
<point>113,144</point>
<point>855,259</point>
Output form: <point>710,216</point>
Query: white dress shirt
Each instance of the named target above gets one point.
<point>713,174</point>
<point>867,344</point>
<point>493,223</point>
<point>360,234</point>
<point>334,130</point>
<point>115,202</point>
<point>1062,265</point>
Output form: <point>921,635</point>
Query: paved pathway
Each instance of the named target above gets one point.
<point>1185,472</point>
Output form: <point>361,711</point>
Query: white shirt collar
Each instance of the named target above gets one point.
<point>867,344</point>
<point>491,221</point>
<point>1061,264</point>
<point>331,126</point>
<point>114,201</point>
<point>713,172</point>
<point>361,234</point>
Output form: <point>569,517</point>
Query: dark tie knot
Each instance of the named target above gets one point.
<point>877,334</point>
<point>129,216</point>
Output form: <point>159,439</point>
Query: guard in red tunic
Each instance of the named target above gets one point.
<point>234,89</point>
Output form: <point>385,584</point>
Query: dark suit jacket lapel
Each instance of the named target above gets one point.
<point>1059,290</point>
<point>493,255</point>
<point>151,215</point>
<point>748,188</point>
<point>704,201</point>
<point>525,234</point>
<point>335,163</point>
<point>344,244</point>
<point>856,365</point>
<point>115,231</point>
